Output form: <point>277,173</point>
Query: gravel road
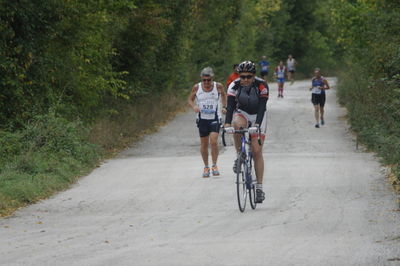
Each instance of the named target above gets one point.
<point>327,203</point>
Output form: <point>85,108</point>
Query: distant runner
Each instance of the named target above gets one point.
<point>264,68</point>
<point>208,95</point>
<point>280,74</point>
<point>291,65</point>
<point>319,85</point>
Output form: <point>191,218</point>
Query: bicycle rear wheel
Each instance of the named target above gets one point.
<point>241,190</point>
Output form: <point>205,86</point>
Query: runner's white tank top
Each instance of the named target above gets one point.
<point>208,102</point>
<point>290,63</point>
<point>281,72</point>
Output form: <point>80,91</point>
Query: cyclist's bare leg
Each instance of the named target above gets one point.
<point>238,122</point>
<point>258,159</point>
<point>214,146</point>
<point>316,113</point>
<point>204,149</point>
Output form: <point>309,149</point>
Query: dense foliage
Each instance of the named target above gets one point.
<point>98,61</point>
<point>369,32</point>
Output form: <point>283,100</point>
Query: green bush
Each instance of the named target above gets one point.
<point>43,157</point>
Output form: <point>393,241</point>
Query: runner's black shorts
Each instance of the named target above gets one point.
<point>318,99</point>
<point>264,73</point>
<point>207,126</point>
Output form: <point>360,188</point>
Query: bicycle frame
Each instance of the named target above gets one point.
<point>249,159</point>
<point>244,177</point>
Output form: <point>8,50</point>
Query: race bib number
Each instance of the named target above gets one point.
<point>264,68</point>
<point>208,110</point>
<point>316,90</point>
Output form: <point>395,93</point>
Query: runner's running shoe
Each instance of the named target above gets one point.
<point>214,170</point>
<point>206,172</point>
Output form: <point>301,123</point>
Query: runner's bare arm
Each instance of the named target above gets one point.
<point>326,85</point>
<point>192,97</point>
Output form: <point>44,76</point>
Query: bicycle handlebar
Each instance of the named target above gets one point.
<point>241,131</point>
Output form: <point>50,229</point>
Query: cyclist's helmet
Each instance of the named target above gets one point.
<point>246,66</point>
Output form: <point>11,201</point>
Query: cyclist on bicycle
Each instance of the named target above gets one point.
<point>247,99</point>
<point>208,95</point>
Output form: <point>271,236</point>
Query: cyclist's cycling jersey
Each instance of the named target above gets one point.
<point>248,98</point>
<point>316,83</point>
<point>252,100</point>
<point>208,102</point>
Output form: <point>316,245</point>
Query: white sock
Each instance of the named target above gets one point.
<point>259,186</point>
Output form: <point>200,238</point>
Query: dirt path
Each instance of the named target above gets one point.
<point>327,203</point>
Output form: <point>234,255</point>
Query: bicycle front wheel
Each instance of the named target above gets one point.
<point>241,189</point>
<point>252,196</point>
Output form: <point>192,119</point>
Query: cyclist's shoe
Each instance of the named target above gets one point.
<point>260,196</point>
<point>214,170</point>
<point>322,122</point>
<point>317,125</point>
<point>206,172</point>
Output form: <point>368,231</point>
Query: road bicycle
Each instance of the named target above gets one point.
<point>245,177</point>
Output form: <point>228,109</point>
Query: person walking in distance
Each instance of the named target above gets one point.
<point>205,100</point>
<point>291,65</point>
<point>280,74</point>
<point>318,97</point>
<point>247,100</point>
<point>264,68</point>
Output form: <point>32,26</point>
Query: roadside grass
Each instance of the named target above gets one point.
<point>373,110</point>
<point>50,153</point>
<point>131,122</point>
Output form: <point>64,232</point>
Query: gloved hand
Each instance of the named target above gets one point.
<point>254,130</point>
<point>229,130</point>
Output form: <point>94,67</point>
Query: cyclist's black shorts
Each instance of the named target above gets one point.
<point>318,99</point>
<point>207,126</point>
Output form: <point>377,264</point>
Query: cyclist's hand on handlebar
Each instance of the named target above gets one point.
<point>229,130</point>
<point>254,130</point>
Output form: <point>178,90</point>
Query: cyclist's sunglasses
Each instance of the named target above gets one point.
<point>206,80</point>
<point>246,76</point>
